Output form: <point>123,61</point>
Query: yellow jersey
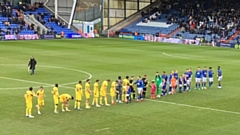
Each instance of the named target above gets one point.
<point>55,92</point>
<point>78,89</point>
<point>104,85</point>
<point>40,94</point>
<point>65,97</point>
<point>87,88</point>
<point>113,86</point>
<point>96,88</point>
<point>125,82</point>
<point>28,96</point>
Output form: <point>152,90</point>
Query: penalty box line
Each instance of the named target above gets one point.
<point>165,102</point>
<point>21,80</point>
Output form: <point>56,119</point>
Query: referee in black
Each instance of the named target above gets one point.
<point>32,64</point>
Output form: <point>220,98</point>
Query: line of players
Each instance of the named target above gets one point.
<point>123,91</point>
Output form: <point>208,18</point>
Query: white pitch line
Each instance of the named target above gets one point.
<point>21,80</point>
<point>193,57</point>
<point>81,71</point>
<point>192,106</point>
<point>102,129</point>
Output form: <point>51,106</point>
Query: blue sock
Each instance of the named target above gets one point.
<point>199,85</point>
<point>180,89</point>
<point>196,85</point>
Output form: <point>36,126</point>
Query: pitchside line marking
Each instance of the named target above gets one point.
<point>192,106</point>
<point>102,129</point>
<point>21,80</point>
<point>81,71</point>
<point>194,57</point>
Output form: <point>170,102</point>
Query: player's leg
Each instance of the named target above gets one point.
<point>105,100</point>
<point>63,110</point>
<point>39,106</point>
<point>117,95</point>
<point>56,105</point>
<point>134,94</point>
<point>30,110</point>
<point>27,109</point>
<point>120,96</point>
<point>219,82</point>
<point>101,98</point>
<point>180,88</point>
<point>66,104</point>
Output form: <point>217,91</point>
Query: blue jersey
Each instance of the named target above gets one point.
<point>190,74</point>
<point>164,85</point>
<point>198,74</point>
<point>219,72</point>
<point>170,77</point>
<point>204,73</point>
<point>165,77</point>
<point>187,75</point>
<point>129,90</point>
<point>185,80</point>
<point>210,74</point>
<point>180,81</point>
<point>139,83</point>
<point>176,75</point>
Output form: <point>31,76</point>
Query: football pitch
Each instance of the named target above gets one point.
<point>199,112</point>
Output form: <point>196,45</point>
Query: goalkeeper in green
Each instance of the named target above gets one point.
<point>158,81</point>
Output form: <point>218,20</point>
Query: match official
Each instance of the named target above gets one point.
<point>32,64</point>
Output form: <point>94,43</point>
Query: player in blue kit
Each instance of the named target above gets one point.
<point>184,83</point>
<point>204,78</point>
<point>140,86</point>
<point>190,78</point>
<point>186,74</point>
<point>198,77</point>
<point>164,88</point>
<point>169,80</point>
<point>164,76</point>
<point>210,76</point>
<point>180,84</point>
<point>219,77</point>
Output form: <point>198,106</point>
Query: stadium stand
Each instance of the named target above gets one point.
<point>11,21</point>
<point>189,19</point>
<point>54,25</point>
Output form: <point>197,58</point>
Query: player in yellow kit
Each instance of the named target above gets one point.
<point>64,99</point>
<point>28,98</point>
<point>96,93</point>
<point>125,83</point>
<point>79,95</point>
<point>55,97</point>
<point>103,92</point>
<point>87,93</point>
<point>113,91</point>
<point>40,96</point>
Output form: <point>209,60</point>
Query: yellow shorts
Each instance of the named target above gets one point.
<point>55,100</point>
<point>78,97</point>
<point>40,102</point>
<point>87,95</point>
<point>29,105</point>
<point>103,94</point>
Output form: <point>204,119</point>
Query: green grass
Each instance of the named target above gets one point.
<point>205,112</point>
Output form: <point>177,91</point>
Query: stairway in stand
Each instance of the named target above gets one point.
<point>173,32</point>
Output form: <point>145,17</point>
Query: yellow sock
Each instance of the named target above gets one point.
<point>79,104</point>
<point>87,104</point>
<point>29,112</point>
<point>62,106</point>
<point>66,108</point>
<point>76,103</point>
<point>55,108</point>
<point>93,101</point>
<point>105,99</point>
<point>112,100</point>
<point>100,100</point>
<point>26,111</point>
<point>38,108</point>
<point>96,100</point>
